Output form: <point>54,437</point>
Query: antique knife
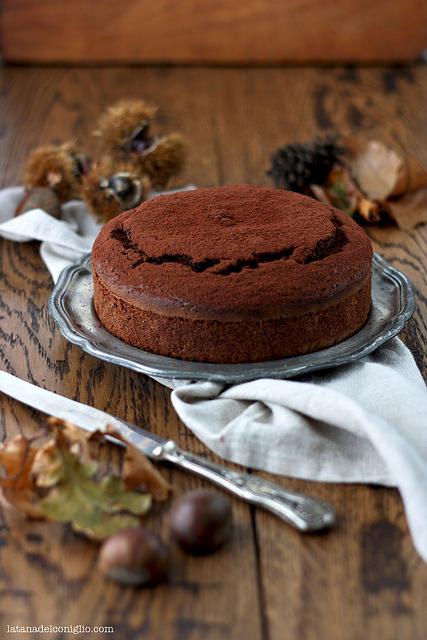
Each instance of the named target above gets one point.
<point>302,512</point>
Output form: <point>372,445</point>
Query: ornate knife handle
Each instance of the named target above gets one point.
<point>300,511</point>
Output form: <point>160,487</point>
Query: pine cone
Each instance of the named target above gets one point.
<point>296,166</point>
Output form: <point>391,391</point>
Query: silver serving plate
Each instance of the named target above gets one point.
<point>71,306</point>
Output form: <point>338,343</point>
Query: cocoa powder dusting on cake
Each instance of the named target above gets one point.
<point>213,261</point>
<point>192,253</point>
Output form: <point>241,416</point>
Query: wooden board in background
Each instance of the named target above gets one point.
<point>189,31</point>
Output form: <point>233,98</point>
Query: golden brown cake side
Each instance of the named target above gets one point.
<point>232,342</point>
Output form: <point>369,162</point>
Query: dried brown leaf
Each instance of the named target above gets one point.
<point>79,440</point>
<point>16,480</point>
<point>319,193</point>
<point>377,169</point>
<point>139,472</point>
<point>370,210</point>
<point>412,176</point>
<point>381,172</point>
<point>410,210</point>
<point>342,191</point>
<point>61,479</point>
<point>72,492</point>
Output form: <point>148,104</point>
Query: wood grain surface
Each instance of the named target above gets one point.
<point>362,581</point>
<point>241,31</point>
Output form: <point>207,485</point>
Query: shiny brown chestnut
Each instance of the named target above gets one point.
<point>134,557</point>
<point>201,521</point>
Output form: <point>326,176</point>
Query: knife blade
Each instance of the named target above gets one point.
<point>302,512</point>
<point>83,416</point>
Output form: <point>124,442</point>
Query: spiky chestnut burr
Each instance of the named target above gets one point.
<point>125,131</point>
<point>164,161</point>
<point>122,121</point>
<point>58,167</point>
<point>110,189</point>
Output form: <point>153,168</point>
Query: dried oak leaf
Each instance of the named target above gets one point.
<point>61,479</point>
<point>342,192</point>
<point>409,210</point>
<point>138,472</point>
<point>381,172</point>
<point>73,493</point>
<point>78,440</point>
<point>16,480</point>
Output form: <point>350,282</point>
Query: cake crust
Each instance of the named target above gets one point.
<point>232,274</point>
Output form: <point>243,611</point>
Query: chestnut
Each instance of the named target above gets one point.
<point>201,521</point>
<point>134,557</point>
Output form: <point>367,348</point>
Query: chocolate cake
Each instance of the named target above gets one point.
<point>232,274</point>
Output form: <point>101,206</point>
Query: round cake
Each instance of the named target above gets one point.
<point>232,274</point>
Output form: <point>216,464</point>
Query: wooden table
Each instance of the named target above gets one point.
<point>362,581</point>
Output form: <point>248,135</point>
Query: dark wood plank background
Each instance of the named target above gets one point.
<point>198,31</point>
<point>361,581</point>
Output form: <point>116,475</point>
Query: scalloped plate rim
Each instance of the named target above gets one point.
<point>165,367</point>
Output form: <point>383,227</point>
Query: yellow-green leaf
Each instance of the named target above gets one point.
<point>96,507</point>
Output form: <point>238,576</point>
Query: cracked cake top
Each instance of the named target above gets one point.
<point>232,253</point>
